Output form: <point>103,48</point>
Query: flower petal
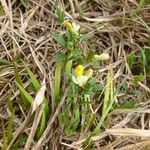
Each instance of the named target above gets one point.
<point>68,25</point>
<point>75,27</point>
<point>82,80</point>
<point>88,73</point>
<point>74,79</point>
<point>79,70</point>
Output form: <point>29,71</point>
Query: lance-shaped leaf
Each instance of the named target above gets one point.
<point>39,96</point>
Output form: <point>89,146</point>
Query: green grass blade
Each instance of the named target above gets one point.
<point>59,39</point>
<point>25,4</point>
<point>57,81</point>
<point>33,78</point>
<point>1,9</point>
<point>9,103</point>
<point>36,85</point>
<point>107,92</point>
<point>60,14</point>
<point>69,64</point>
<point>18,80</point>
<point>25,93</point>
<point>139,7</point>
<point>109,104</point>
<point>10,128</point>
<point>4,136</point>
<point>42,126</point>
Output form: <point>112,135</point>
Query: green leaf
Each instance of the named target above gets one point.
<point>20,140</point>
<point>36,85</point>
<point>59,13</point>
<point>25,93</point>
<point>85,37</point>
<point>18,80</point>
<point>33,79</point>
<point>59,39</point>
<point>69,35</point>
<point>131,59</point>
<point>60,118</point>
<point>90,55</point>
<point>60,57</point>
<point>9,104</point>
<point>1,10</point>
<point>138,78</point>
<point>76,120</point>
<point>41,129</point>
<point>127,105</point>
<point>139,7</point>
<point>67,111</point>
<point>109,98</point>
<point>94,86</point>
<point>5,62</point>
<point>57,82</point>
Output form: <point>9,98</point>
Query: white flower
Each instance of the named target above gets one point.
<point>81,76</point>
<point>103,56</point>
<point>81,80</point>
<point>75,28</point>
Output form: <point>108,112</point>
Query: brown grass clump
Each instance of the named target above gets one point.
<point>120,28</point>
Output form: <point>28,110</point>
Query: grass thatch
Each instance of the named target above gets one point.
<point>31,57</point>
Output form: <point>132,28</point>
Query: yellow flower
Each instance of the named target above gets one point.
<point>103,56</point>
<point>79,70</point>
<point>68,25</point>
<point>81,76</point>
<point>72,27</point>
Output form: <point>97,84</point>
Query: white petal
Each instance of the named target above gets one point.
<point>74,79</point>
<point>82,80</point>
<point>39,96</point>
<point>75,27</point>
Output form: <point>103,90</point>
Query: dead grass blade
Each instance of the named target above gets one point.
<point>19,130</point>
<point>137,146</point>
<point>42,140</point>
<point>129,132</point>
<point>39,96</point>
<point>36,121</point>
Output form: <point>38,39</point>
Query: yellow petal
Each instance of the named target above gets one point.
<point>68,25</point>
<point>79,70</point>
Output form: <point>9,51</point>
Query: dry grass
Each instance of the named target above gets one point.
<point>27,34</point>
